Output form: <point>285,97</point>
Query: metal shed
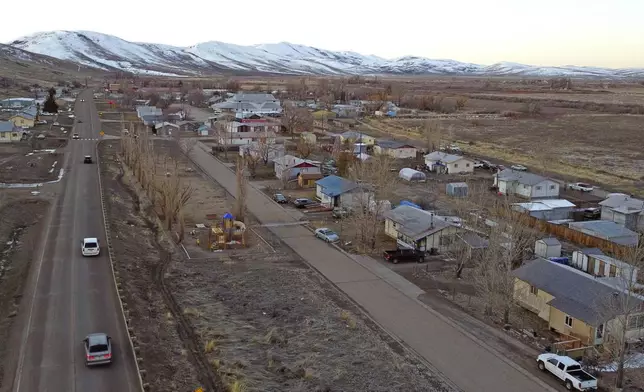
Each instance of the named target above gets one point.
<point>457,189</point>
<point>547,247</point>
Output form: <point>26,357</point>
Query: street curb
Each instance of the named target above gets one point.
<point>457,326</point>
<point>434,312</point>
<point>110,250</point>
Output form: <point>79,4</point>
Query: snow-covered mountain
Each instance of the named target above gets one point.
<point>112,53</point>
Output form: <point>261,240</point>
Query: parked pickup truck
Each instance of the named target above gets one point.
<point>567,370</point>
<point>404,255</point>
<point>581,186</point>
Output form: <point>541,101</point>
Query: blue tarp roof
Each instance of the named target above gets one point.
<point>333,186</point>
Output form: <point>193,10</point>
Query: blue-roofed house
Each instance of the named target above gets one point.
<point>10,133</point>
<point>334,191</point>
<point>25,118</point>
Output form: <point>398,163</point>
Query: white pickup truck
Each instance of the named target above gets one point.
<point>567,370</point>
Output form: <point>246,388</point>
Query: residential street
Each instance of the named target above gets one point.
<point>387,298</point>
<point>68,295</point>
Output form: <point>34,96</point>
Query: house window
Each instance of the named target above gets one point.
<point>635,322</point>
<point>3,134</point>
<point>538,187</point>
<point>456,165</point>
<point>552,187</point>
<point>467,165</point>
<point>14,135</point>
<point>568,321</point>
<point>534,290</point>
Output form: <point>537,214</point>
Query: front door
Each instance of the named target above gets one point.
<point>599,334</point>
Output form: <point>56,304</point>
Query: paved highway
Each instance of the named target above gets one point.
<point>71,295</point>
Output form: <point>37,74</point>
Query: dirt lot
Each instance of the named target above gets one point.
<point>20,165</point>
<point>20,230</point>
<point>263,319</point>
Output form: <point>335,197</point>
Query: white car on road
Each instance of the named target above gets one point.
<point>581,186</point>
<point>90,247</point>
<point>519,167</point>
<point>327,235</point>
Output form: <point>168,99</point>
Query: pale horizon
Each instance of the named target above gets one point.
<point>581,33</point>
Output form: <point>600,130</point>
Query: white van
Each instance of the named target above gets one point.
<point>90,247</point>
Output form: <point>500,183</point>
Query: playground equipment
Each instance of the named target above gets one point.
<point>230,233</point>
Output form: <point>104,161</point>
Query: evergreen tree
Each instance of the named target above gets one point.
<point>50,105</point>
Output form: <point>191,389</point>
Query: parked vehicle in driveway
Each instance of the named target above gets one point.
<point>567,370</point>
<point>303,203</point>
<point>478,164</point>
<point>98,349</point>
<point>398,255</point>
<point>327,235</point>
<point>519,167</point>
<point>580,186</point>
<point>278,197</point>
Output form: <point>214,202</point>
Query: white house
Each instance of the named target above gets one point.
<point>547,209</point>
<point>288,167</point>
<point>244,105</point>
<point>334,191</point>
<point>253,125</point>
<point>624,210</point>
<point>445,163</point>
<point>527,185</point>
<point>395,149</point>
<point>241,138</point>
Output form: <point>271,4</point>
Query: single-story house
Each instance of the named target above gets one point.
<point>625,210</point>
<point>414,228</point>
<point>246,104</point>
<point>241,138</point>
<point>547,209</point>
<point>26,118</point>
<point>346,111</point>
<point>445,163</point>
<point>334,191</point>
<point>204,130</point>
<point>148,111</point>
<point>10,133</point>
<point>308,180</point>
<point>165,128</point>
<point>607,230</point>
<point>527,185</point>
<point>573,302</point>
<point>395,149</point>
<point>151,119</point>
<point>598,264</point>
<point>254,124</point>
<point>357,137</point>
<point>288,167</point>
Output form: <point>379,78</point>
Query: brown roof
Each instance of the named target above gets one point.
<point>311,176</point>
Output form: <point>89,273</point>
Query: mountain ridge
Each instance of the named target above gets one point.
<point>111,53</point>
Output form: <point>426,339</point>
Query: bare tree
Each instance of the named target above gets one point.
<point>432,134</point>
<point>224,136</point>
<point>196,98</point>
<point>296,120</point>
<point>460,103</point>
<point>376,184</point>
<point>624,310</point>
<point>240,201</point>
<point>305,148</point>
<point>511,241</point>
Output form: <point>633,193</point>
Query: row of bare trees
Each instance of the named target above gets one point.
<point>165,189</point>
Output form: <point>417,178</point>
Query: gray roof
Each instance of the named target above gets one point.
<point>474,240</point>
<point>591,251</point>
<point>623,203</point>
<point>575,293</point>
<point>605,229</point>
<point>550,241</point>
<point>393,144</point>
<point>443,157</point>
<point>415,223</point>
<point>6,126</point>
<point>253,97</point>
<point>520,176</point>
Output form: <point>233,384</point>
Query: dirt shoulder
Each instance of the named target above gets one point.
<point>20,231</point>
<point>138,257</point>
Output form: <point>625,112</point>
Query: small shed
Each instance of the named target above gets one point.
<point>307,180</point>
<point>547,247</point>
<point>457,189</point>
<point>409,174</point>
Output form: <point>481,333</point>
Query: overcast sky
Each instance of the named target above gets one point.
<point>607,33</point>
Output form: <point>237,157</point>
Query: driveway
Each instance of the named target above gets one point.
<point>465,362</point>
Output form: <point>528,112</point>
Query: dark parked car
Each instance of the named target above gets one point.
<point>98,349</point>
<point>398,255</point>
<point>303,203</point>
<point>278,197</point>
